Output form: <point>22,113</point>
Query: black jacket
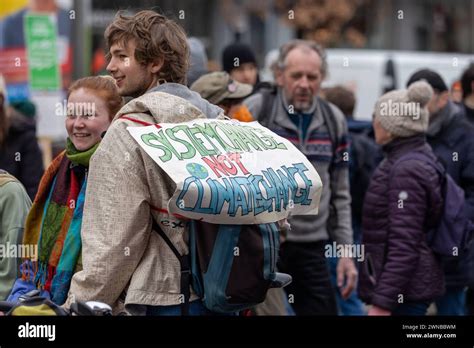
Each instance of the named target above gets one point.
<point>20,155</point>
<point>452,139</point>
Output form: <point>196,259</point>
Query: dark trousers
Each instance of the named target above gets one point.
<point>470,301</point>
<point>310,292</point>
<point>411,308</point>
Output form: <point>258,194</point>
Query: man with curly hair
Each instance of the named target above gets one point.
<point>124,261</point>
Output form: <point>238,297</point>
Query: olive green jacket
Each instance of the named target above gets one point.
<point>14,207</point>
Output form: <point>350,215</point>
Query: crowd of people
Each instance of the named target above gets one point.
<point>93,207</point>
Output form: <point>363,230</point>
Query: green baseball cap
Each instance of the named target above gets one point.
<point>217,86</point>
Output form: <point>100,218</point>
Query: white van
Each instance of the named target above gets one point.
<point>369,73</point>
<point>372,72</point>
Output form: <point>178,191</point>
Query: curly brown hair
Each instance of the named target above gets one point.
<point>156,37</point>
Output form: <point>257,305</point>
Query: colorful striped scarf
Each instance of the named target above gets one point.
<point>54,223</point>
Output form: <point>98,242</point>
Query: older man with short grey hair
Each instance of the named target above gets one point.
<point>318,129</point>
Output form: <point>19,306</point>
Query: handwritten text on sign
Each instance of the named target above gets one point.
<point>231,172</point>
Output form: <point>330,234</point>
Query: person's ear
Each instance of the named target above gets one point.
<point>443,98</point>
<point>279,77</point>
<point>156,65</point>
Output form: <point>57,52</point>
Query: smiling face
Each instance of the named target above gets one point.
<point>133,79</point>
<point>88,117</point>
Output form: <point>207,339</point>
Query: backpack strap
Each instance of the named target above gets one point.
<point>265,117</point>
<point>136,120</point>
<point>268,92</point>
<point>143,123</point>
<point>330,121</point>
<point>184,263</point>
<point>185,280</point>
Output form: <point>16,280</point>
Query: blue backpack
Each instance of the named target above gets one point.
<point>454,231</point>
<point>230,267</point>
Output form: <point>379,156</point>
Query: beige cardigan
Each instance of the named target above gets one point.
<point>123,259</point>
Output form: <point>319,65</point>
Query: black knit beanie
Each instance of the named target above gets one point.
<point>433,78</point>
<point>237,50</point>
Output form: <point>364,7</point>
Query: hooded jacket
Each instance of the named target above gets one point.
<point>123,259</point>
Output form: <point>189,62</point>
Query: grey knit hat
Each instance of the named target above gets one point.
<point>403,112</point>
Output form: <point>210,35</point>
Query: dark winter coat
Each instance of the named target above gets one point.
<point>452,139</point>
<point>20,155</point>
<point>400,206</point>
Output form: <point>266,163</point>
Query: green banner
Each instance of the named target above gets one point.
<point>41,45</point>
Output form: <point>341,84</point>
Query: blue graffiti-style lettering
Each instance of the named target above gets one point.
<point>270,191</point>
<point>220,194</point>
<point>240,199</point>
<point>281,190</point>
<point>258,199</point>
<point>198,208</point>
<point>289,182</point>
<point>304,191</point>
<point>255,194</point>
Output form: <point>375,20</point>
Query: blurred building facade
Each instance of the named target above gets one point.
<point>426,25</point>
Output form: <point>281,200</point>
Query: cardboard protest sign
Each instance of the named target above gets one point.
<point>229,172</point>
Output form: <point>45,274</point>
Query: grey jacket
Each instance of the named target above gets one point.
<point>334,218</point>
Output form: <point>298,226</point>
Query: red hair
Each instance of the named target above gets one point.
<point>104,87</point>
